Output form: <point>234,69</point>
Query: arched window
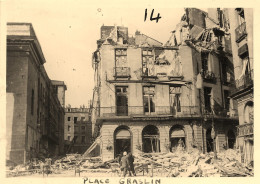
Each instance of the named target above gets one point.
<point>151,140</point>
<point>122,140</point>
<point>249,112</point>
<point>177,138</point>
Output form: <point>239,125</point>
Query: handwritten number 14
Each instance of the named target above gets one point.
<point>151,17</point>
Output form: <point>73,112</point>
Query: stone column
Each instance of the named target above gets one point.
<point>164,137</point>
<point>136,139</point>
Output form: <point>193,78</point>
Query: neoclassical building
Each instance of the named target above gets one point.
<point>151,97</point>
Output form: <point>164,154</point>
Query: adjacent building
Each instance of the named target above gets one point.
<point>152,97</point>
<point>77,130</point>
<point>241,29</point>
<point>34,113</point>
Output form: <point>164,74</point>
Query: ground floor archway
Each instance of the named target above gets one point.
<point>177,138</point>
<point>151,139</point>
<point>122,140</point>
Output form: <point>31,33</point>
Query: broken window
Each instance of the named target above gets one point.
<point>121,66</point>
<point>249,112</point>
<point>151,140</point>
<point>207,99</point>
<point>69,138</point>
<point>121,101</point>
<point>68,118</point>
<point>69,128</point>
<point>148,97</point>
<point>148,62</point>
<point>175,102</point>
<point>177,138</point>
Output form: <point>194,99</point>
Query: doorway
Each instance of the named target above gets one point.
<point>209,140</point>
<point>151,140</point>
<point>122,140</point>
<point>177,138</point>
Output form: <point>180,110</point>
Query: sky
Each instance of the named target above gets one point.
<point>68,30</point>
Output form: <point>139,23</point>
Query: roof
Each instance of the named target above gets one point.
<point>23,31</point>
<point>59,83</point>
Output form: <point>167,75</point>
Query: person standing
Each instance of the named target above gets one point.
<point>124,163</point>
<point>131,164</point>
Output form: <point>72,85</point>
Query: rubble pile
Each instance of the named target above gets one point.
<point>195,164</point>
<point>178,164</point>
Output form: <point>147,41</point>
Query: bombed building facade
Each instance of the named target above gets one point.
<point>152,97</point>
<point>34,114</point>
<point>241,28</point>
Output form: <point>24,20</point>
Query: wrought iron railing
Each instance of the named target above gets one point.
<point>181,111</point>
<point>208,76</point>
<point>244,82</point>
<point>245,129</point>
<point>240,32</point>
<point>122,71</point>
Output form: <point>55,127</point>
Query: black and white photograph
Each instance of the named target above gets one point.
<point>105,89</point>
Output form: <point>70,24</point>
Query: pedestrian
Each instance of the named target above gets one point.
<point>124,164</point>
<point>131,164</point>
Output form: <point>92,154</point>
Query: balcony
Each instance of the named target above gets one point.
<point>244,82</point>
<point>246,130</point>
<point>240,32</point>
<point>122,72</point>
<point>208,76</point>
<point>182,111</point>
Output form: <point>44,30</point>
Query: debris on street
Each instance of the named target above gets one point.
<point>177,164</point>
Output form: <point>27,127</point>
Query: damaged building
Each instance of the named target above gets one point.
<point>34,114</point>
<point>241,29</point>
<point>153,97</point>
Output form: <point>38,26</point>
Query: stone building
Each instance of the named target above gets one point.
<point>77,129</point>
<point>33,112</point>
<point>241,29</point>
<point>151,97</point>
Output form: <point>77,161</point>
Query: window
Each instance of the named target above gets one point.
<point>121,57</point>
<point>204,61</point>
<point>148,62</point>
<point>121,66</point>
<point>69,128</point>
<point>148,100</point>
<point>241,15</point>
<point>32,102</point>
<point>75,138</point>
<point>226,76</point>
<point>76,129</point>
<point>175,93</point>
<point>207,99</point>
<point>69,138</point>
<point>121,101</point>
<point>83,139</point>
<point>75,119</point>
<point>226,99</point>
<point>68,118</point>
<point>82,118</point>
<point>83,128</point>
